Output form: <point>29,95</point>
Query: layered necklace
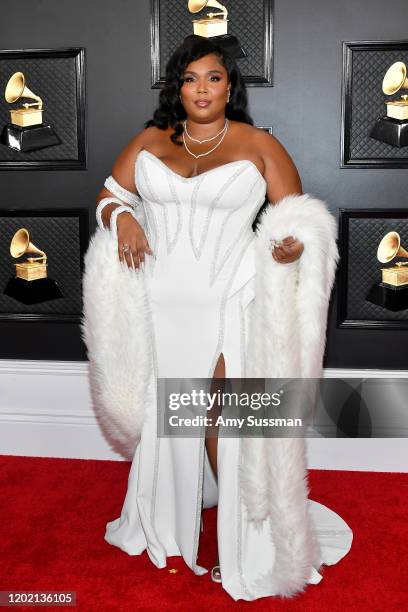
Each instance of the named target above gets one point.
<point>223,132</point>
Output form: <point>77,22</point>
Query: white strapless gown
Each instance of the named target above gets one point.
<point>201,287</point>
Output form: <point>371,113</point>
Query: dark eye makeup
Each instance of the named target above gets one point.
<point>212,77</point>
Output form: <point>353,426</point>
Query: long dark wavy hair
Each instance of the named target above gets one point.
<point>171,112</point>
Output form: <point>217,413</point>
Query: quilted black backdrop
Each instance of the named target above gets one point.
<point>62,238</point>
<point>359,255</point>
<point>303,106</point>
<point>57,76</point>
<point>364,68</point>
<point>251,22</point>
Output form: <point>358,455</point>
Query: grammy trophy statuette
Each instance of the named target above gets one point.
<point>26,130</point>
<point>392,291</point>
<point>31,284</point>
<point>393,127</point>
<point>215,26</point>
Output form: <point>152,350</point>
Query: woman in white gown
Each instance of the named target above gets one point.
<point>200,172</point>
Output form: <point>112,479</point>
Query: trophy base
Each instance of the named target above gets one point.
<point>33,292</point>
<point>390,130</point>
<point>30,138</point>
<point>389,297</point>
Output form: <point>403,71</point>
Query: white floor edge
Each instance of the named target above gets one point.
<point>45,411</point>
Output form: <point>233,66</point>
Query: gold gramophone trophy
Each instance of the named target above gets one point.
<point>26,130</point>
<point>31,283</point>
<point>215,26</point>
<point>392,291</point>
<point>392,128</point>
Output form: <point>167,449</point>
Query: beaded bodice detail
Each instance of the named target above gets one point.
<point>207,218</point>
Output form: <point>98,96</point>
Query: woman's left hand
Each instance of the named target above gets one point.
<point>289,250</point>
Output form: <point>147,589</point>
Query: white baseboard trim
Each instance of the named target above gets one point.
<point>45,411</point>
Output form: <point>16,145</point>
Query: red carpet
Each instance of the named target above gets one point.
<point>52,522</point>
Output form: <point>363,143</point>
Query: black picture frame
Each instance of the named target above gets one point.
<point>363,102</point>
<point>256,69</point>
<point>65,240</point>
<point>360,231</point>
<point>59,76</point>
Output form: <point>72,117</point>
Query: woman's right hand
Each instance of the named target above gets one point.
<point>130,232</point>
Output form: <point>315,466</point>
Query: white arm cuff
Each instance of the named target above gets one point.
<point>101,205</point>
<point>126,196</point>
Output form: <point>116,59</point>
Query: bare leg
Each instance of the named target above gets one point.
<point>211,442</point>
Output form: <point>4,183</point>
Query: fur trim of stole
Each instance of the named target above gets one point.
<point>116,329</point>
<point>286,339</point>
